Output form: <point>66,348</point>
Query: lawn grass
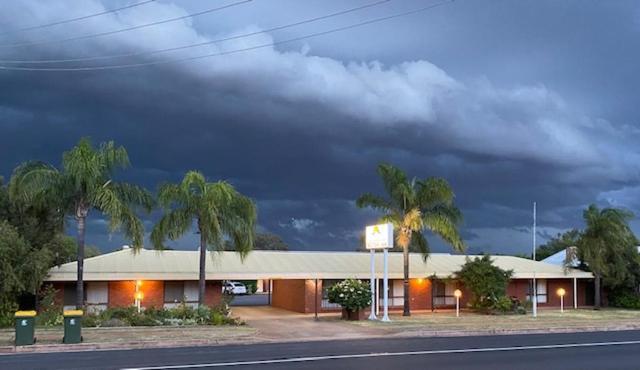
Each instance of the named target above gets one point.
<point>547,319</point>
<point>53,335</point>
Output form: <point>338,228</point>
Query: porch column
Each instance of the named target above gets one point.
<point>575,293</point>
<point>315,303</point>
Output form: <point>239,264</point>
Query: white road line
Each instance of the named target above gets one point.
<point>384,354</point>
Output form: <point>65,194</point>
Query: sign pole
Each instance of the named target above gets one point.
<point>372,284</point>
<point>385,300</point>
<point>379,237</point>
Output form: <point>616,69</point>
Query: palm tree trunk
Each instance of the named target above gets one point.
<point>203,259</point>
<point>597,300</point>
<point>80,256</point>
<point>405,254</point>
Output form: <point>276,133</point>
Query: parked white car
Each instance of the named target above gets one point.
<point>234,287</point>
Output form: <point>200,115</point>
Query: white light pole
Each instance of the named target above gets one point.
<point>457,293</point>
<point>561,293</point>
<point>372,315</point>
<point>534,295</point>
<point>385,300</point>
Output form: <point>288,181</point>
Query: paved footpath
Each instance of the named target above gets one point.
<point>579,351</point>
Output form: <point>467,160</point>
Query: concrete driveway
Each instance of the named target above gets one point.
<point>278,324</point>
<point>258,299</point>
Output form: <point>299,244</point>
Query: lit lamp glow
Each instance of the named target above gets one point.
<point>139,296</point>
<point>561,292</point>
<point>457,293</point>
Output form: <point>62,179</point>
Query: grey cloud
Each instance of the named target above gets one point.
<point>301,128</point>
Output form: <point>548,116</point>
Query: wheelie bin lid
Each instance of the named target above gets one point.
<point>72,313</point>
<point>25,314</point>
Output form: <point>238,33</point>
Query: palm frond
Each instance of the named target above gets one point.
<point>172,225</point>
<point>34,179</point>
<point>374,201</point>
<point>420,243</point>
<point>133,195</point>
<point>446,229</point>
<point>434,191</point>
<point>121,216</point>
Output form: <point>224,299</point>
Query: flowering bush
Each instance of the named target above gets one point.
<point>351,294</point>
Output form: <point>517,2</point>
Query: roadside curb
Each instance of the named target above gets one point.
<point>53,348</point>
<point>81,347</point>
<point>460,333</point>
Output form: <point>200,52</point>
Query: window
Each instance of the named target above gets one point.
<point>443,293</point>
<point>173,291</point>
<point>69,294</point>
<point>326,284</point>
<point>541,290</point>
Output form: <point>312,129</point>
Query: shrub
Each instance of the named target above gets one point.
<point>7,311</point>
<point>50,313</point>
<point>142,319</point>
<point>488,285</point>
<point>351,294</point>
<point>90,320</point>
<point>120,313</point>
<point>624,298</point>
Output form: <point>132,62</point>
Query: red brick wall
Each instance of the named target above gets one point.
<point>213,293</point>
<point>289,295</point>
<point>121,293</point>
<point>420,294</point>
<point>519,288</point>
<point>553,299</point>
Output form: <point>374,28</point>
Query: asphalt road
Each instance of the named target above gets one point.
<point>582,351</point>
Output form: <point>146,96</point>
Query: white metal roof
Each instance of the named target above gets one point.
<point>183,265</point>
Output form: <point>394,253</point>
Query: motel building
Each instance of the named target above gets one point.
<point>298,281</point>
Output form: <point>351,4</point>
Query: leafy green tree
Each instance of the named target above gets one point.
<point>269,242</point>
<point>14,257</point>
<point>84,183</point>
<point>558,243</point>
<point>413,207</point>
<point>608,248</point>
<point>22,269</point>
<point>486,281</point>
<point>218,211</point>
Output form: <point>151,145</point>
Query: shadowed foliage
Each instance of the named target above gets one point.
<point>607,247</point>
<point>218,211</point>
<point>413,207</point>
<point>84,183</point>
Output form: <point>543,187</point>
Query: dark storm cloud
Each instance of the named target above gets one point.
<point>302,127</point>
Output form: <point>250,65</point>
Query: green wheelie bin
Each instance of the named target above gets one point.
<point>72,326</point>
<point>25,327</point>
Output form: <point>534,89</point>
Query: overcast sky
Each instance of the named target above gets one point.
<point>511,101</point>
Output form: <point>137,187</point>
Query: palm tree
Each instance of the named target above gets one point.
<point>414,206</point>
<point>84,183</point>
<point>607,247</point>
<point>218,210</point>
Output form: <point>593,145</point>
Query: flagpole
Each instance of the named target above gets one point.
<point>534,295</point>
